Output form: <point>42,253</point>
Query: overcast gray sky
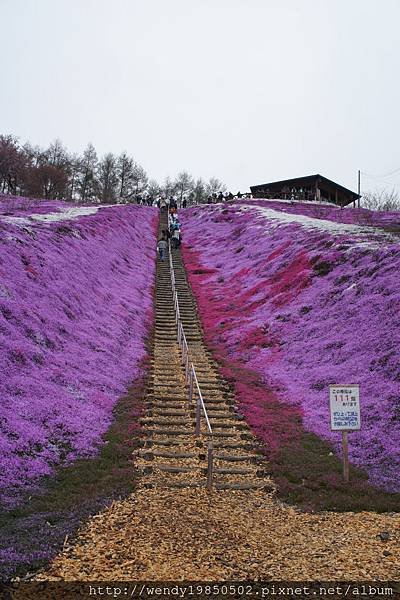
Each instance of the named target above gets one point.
<point>246,90</point>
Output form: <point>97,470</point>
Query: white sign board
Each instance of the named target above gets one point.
<point>344,401</point>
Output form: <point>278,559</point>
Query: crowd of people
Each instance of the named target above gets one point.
<point>172,234</point>
<point>161,201</point>
<point>170,205</point>
<point>223,197</point>
<point>186,200</point>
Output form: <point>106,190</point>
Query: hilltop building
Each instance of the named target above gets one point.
<point>316,188</point>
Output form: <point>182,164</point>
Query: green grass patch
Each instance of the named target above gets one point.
<point>309,474</point>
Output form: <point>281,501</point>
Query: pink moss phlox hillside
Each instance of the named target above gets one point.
<point>75,309</point>
<point>303,308</point>
<point>349,215</point>
<point>23,206</point>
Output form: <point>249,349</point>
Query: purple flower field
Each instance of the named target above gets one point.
<point>306,300</point>
<point>75,310</point>
<point>24,206</point>
<point>351,216</point>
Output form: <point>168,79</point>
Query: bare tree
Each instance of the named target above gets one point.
<point>139,178</point>
<point>34,154</point>
<point>74,169</point>
<point>56,155</point>
<point>183,184</point>
<point>168,188</point>
<point>47,181</point>
<point>12,162</point>
<point>381,200</point>
<point>214,186</point>
<point>125,176</point>
<point>87,183</point>
<point>54,173</point>
<point>108,178</point>
<point>199,192</point>
<point>153,188</point>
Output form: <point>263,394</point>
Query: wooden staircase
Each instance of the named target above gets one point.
<point>171,455</point>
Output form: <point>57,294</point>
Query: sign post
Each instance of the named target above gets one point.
<point>344,404</point>
<point>345,452</point>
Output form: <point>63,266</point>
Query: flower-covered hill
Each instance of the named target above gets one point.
<point>75,310</point>
<point>298,303</point>
<point>386,220</point>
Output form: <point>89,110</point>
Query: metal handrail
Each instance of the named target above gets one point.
<point>191,377</point>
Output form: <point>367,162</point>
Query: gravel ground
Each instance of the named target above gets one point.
<point>188,534</point>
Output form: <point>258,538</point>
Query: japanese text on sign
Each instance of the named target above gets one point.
<point>344,401</point>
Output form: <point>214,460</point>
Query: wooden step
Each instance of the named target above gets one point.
<point>167,404</point>
<point>157,384</point>
<point>234,425</point>
<point>166,413</point>
<point>224,415</point>
<point>162,397</point>
<point>232,446</point>
<point>161,421</point>
<point>150,443</point>
<point>217,402</point>
<point>153,405</point>
<point>175,469</point>
<point>146,455</point>
<point>223,434</point>
<point>168,392</point>
<point>237,458</point>
<point>233,471</point>
<point>168,432</point>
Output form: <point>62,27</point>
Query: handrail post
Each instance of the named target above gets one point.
<point>198,414</point>
<point>191,387</point>
<point>210,466</point>
<point>183,349</point>
<point>176,308</point>
<point>187,368</point>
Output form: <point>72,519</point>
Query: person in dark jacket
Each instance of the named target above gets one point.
<point>162,248</point>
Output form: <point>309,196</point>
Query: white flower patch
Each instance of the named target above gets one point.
<point>66,215</point>
<point>332,227</point>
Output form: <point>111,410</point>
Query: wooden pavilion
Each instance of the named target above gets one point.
<point>315,188</point>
